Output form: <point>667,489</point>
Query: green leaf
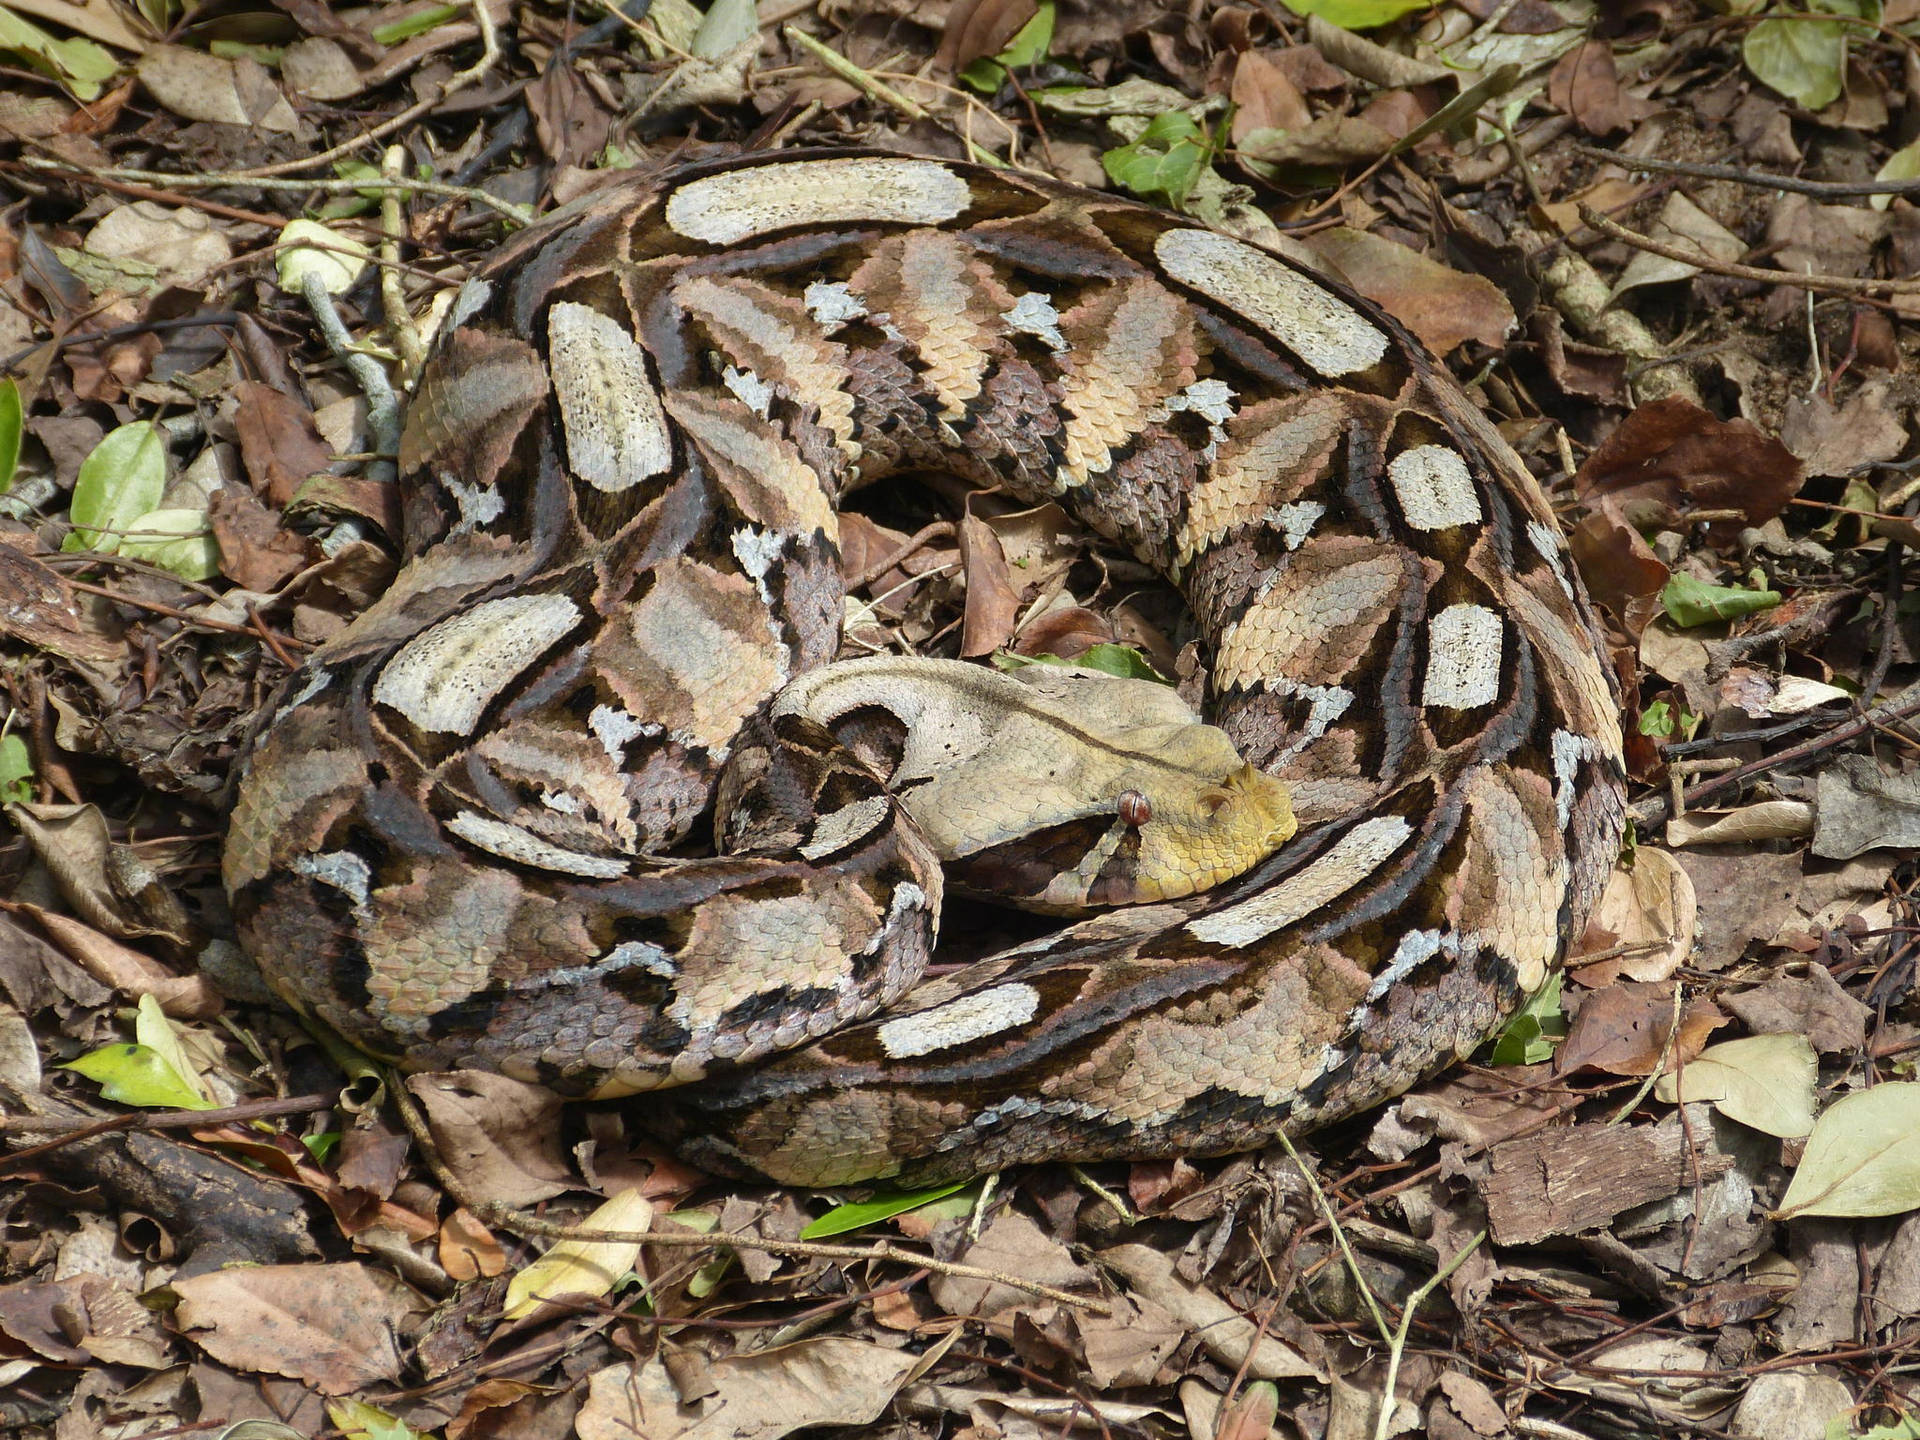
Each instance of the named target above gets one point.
<point>859,1215</point>
<point>1765,1082</point>
<point>1028,47</point>
<point>12,422</point>
<point>356,1418</point>
<point>309,248</point>
<point>1905,1426</point>
<point>1528,1037</point>
<point>16,770</point>
<point>175,540</point>
<point>1805,60</point>
<point>1358,14</point>
<point>418,23</point>
<point>1863,1157</point>
<point>153,1029</point>
<point>1122,661</point>
<point>119,482</point>
<point>1657,719</point>
<point>138,1075</point>
<point>1694,602</point>
<point>80,65</point>
<point>1166,161</point>
<point>1903,164</point>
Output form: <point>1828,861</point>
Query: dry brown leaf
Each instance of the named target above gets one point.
<point>1622,1030</point>
<point>993,602</point>
<point>1767,820</point>
<point>1011,1245</point>
<point>1650,911</point>
<point>1263,96</point>
<point>334,1327</point>
<point>1620,568</point>
<point>500,1136</point>
<point>1441,305</point>
<point>979,28</point>
<point>1673,454</point>
<point>1585,84</point>
<point>468,1249</point>
<point>1224,1333</point>
<point>197,86</point>
<point>257,552</point>
<point>278,441</point>
<point>759,1396</point>
<point>1860,804</point>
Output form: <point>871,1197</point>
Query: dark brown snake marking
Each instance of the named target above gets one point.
<point>619,477</point>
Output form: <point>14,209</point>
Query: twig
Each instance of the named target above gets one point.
<point>1831,189</point>
<point>1397,1347</point>
<point>527,1226</point>
<point>1339,1237</point>
<point>217,179</point>
<point>489,57</point>
<point>877,89</point>
<point>393,300</point>
<point>1835,284</point>
<point>926,535</point>
<point>185,617</point>
<point>165,1119</point>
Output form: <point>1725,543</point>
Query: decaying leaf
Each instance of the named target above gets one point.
<point>1766,1082</point>
<point>759,1396</point>
<point>1860,804</point>
<point>1863,1157</point>
<point>578,1272</point>
<point>333,1327</point>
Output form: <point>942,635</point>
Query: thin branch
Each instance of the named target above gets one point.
<point>489,57</point>
<point>1834,284</point>
<point>216,179</point>
<point>1830,189</point>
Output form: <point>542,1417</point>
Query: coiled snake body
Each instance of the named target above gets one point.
<point>619,475</point>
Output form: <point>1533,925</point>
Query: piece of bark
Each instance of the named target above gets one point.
<point>1561,1182</point>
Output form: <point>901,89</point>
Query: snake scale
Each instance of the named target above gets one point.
<point>455,841</point>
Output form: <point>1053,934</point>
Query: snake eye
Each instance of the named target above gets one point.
<point>1134,809</point>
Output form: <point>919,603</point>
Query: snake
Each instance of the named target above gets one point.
<point>479,827</point>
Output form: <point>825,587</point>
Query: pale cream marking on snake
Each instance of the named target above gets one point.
<point>1351,859</point>
<point>480,505</point>
<point>468,301</point>
<point>342,869</point>
<point>443,679</point>
<point>739,204</point>
<point>1033,314</point>
<point>523,847</point>
<point>616,431</point>
<point>1463,658</point>
<point>754,392</point>
<point>614,728</point>
<point>841,829</point>
<point>832,304</point>
<point>1313,322</point>
<point>959,1022</point>
<point>1546,544</point>
<point>1435,488</point>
